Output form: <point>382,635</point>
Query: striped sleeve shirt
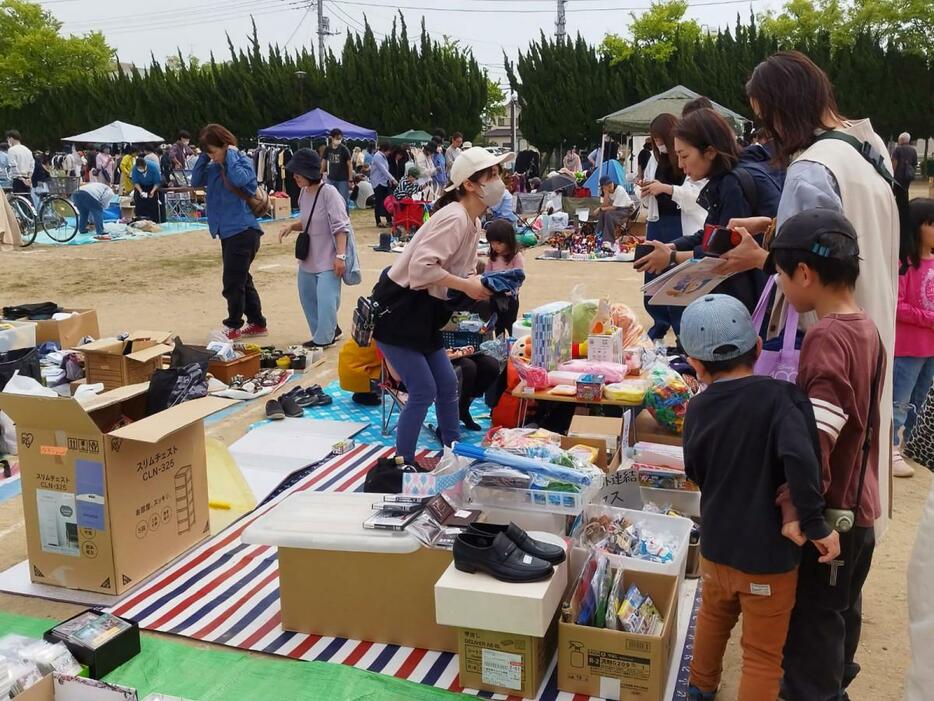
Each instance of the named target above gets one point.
<point>837,364</point>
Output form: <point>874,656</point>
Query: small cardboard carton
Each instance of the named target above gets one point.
<point>506,632</point>
<point>60,687</point>
<point>606,428</point>
<point>281,207</point>
<point>68,333</point>
<point>505,663</point>
<point>614,664</point>
<point>607,348</point>
<point>105,508</point>
<point>117,363</point>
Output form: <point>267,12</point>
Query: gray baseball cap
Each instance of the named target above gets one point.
<point>717,327</point>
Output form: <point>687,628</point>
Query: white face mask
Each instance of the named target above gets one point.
<point>662,148</point>
<point>493,192</point>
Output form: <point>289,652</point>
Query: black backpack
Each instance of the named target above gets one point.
<point>760,181</point>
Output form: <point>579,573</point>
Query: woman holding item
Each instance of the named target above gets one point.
<point>324,217</point>
<point>441,257</point>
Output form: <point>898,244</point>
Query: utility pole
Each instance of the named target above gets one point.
<point>560,25</point>
<point>512,122</point>
<point>324,30</point>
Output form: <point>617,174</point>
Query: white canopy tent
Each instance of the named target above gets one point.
<point>116,133</point>
<point>637,118</point>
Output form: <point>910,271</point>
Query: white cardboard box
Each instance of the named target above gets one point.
<point>479,601</point>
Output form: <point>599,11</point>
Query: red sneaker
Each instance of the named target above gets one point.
<point>232,334</point>
<point>254,331</point>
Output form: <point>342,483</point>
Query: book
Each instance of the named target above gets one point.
<point>683,284</point>
<point>97,632</point>
<point>389,521</point>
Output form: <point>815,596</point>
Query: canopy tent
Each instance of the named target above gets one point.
<point>412,136</point>
<point>315,125</point>
<point>636,118</point>
<point>117,133</point>
<point>612,169</point>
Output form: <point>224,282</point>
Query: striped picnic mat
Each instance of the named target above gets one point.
<point>227,592</point>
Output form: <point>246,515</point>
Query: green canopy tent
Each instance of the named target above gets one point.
<point>412,136</point>
<point>636,118</point>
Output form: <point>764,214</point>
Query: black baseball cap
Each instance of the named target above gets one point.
<point>821,231</point>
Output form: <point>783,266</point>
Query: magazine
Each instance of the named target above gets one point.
<point>683,284</point>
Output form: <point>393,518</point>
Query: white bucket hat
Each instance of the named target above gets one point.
<point>471,161</point>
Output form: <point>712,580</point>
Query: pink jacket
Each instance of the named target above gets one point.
<point>914,320</point>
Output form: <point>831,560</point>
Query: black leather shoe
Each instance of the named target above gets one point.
<point>543,551</point>
<point>274,410</point>
<point>498,557</point>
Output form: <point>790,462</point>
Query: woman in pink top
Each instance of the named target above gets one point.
<point>504,255</point>
<point>914,320</point>
<point>324,216</point>
<point>412,294</point>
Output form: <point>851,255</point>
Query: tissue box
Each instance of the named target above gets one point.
<point>590,388</point>
<point>606,349</point>
<point>551,335</point>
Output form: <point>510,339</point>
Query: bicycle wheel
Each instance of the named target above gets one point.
<point>59,218</point>
<point>26,217</point>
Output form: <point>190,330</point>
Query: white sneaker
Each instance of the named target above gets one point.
<point>900,468</point>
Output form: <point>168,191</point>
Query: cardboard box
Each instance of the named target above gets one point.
<point>606,348</point>
<point>614,664</point>
<point>281,207</point>
<point>505,663</point>
<point>338,579</point>
<point>646,428</point>
<point>69,332</point>
<point>17,335</point>
<point>59,687</point>
<point>117,363</point>
<point>105,509</point>
<point>608,429</point>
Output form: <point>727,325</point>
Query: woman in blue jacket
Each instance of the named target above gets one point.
<point>222,169</point>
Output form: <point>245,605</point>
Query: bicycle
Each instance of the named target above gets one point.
<point>57,215</point>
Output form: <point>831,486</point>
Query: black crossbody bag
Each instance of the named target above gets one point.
<point>303,242</point>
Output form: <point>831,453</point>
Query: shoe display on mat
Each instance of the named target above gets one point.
<point>321,400</point>
<point>254,331</point>
<point>232,334</point>
<point>900,467</point>
<point>274,410</point>
<point>291,407</point>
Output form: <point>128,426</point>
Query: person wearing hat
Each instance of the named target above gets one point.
<point>841,369</point>
<point>412,294</point>
<point>323,216</point>
<point>745,436</point>
<point>338,164</point>
<point>615,206</point>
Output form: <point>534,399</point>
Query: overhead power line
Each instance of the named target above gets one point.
<point>550,10</point>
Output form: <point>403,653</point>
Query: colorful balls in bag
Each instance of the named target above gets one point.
<point>667,397</point>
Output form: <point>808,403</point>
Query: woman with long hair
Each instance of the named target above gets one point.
<point>227,175</point>
<point>833,162</point>
<point>441,257</point>
<point>664,216</point>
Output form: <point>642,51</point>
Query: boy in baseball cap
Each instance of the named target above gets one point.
<point>744,437</point>
<point>840,369</point>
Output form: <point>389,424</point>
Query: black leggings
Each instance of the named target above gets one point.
<point>475,374</point>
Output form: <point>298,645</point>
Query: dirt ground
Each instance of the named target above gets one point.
<point>173,283</point>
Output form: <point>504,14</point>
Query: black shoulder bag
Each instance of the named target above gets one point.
<point>303,242</point>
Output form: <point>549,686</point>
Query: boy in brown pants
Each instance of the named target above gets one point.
<point>744,437</point>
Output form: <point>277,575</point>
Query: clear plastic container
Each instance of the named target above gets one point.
<point>567,503</point>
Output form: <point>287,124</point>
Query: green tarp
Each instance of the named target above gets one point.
<point>412,136</point>
<point>203,672</point>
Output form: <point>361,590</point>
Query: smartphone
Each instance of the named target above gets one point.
<point>722,240</point>
<point>642,250</point>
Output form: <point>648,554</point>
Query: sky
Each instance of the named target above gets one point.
<point>136,28</point>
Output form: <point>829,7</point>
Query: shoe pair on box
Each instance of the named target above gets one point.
<point>506,553</point>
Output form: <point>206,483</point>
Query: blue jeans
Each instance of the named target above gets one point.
<point>666,230</point>
<point>912,380</point>
<point>343,187</point>
<point>429,379</point>
<point>320,295</point>
<point>88,206</point>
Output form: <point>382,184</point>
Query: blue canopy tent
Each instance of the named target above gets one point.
<point>613,169</point>
<point>315,125</point>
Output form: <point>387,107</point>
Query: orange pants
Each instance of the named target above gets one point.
<point>766,601</point>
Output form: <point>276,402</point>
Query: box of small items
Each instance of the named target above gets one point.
<point>100,641</point>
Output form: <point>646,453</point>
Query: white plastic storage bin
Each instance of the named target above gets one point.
<point>681,500</point>
<point>537,500</point>
<point>678,528</point>
<point>21,335</point>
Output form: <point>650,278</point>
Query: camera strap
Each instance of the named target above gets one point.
<point>870,421</point>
